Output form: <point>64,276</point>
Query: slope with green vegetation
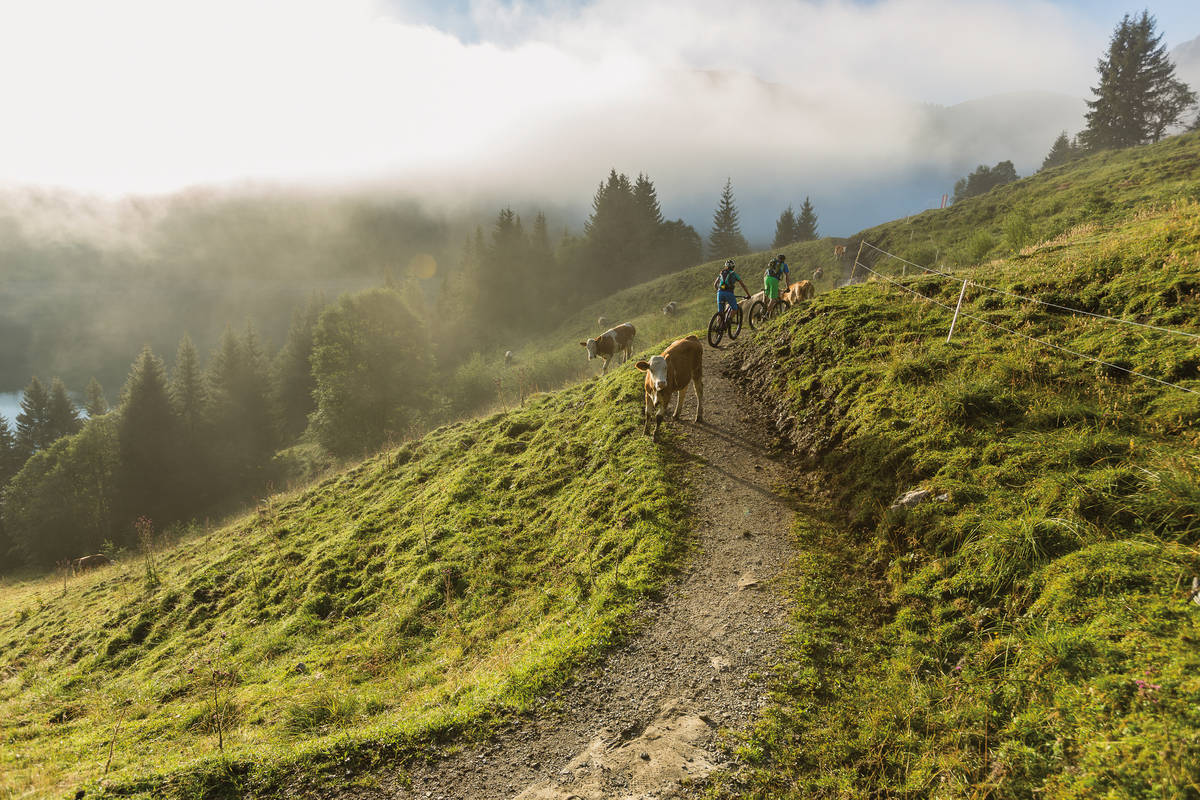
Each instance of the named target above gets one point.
<point>430,589</point>
<point>1026,630</point>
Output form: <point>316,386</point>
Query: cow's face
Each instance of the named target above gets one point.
<point>590,344</point>
<point>656,376</point>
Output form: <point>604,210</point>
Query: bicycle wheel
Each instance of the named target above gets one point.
<point>735,324</point>
<point>716,329</point>
<point>757,315</point>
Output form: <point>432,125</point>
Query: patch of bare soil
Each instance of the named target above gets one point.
<point>644,722</point>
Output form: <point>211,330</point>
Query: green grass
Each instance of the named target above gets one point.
<point>556,359</point>
<point>1030,634</point>
<point>425,592</point>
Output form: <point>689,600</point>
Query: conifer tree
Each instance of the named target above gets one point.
<point>188,393</point>
<point>146,434</point>
<point>645,203</point>
<point>33,421</point>
<point>1138,98</point>
<point>1062,151</point>
<point>294,382</point>
<point>62,418</point>
<point>10,454</point>
<point>785,228</point>
<point>96,404</point>
<point>726,238</point>
<point>806,223</point>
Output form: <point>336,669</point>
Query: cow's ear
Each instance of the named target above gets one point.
<point>583,344</point>
<point>643,365</point>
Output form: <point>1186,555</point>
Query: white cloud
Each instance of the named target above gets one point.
<point>147,95</point>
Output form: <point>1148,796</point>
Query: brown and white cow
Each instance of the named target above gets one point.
<point>612,341</point>
<point>800,290</point>
<point>90,562</point>
<point>680,364</point>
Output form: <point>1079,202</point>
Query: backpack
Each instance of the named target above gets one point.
<point>723,283</point>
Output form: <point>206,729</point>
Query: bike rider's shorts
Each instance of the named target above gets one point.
<point>724,299</point>
<point>771,287</point>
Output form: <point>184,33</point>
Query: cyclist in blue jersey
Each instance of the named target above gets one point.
<point>724,285</point>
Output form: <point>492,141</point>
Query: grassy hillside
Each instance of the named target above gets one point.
<point>556,359</point>
<point>1026,631</point>
<point>427,590</point>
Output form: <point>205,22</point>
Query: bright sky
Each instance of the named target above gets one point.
<point>153,95</point>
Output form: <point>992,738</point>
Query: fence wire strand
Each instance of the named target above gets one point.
<point>1031,299</point>
<point>1024,335</point>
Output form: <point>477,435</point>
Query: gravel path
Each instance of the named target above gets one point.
<point>643,723</point>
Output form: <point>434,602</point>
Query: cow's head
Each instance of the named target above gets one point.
<point>590,344</point>
<point>656,374</point>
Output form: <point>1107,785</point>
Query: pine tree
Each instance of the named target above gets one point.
<point>785,228</point>
<point>33,422</point>
<point>96,404</point>
<point>984,179</point>
<point>806,223</point>
<point>147,436</point>
<point>726,238</point>
<point>10,454</point>
<point>62,418</point>
<point>294,382</point>
<point>188,393</point>
<point>1138,97</point>
<point>1061,152</point>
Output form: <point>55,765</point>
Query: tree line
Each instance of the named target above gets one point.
<point>1137,100</point>
<point>204,435</point>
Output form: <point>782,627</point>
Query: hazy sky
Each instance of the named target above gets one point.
<point>530,97</point>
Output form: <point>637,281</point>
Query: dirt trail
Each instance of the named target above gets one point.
<point>644,721</point>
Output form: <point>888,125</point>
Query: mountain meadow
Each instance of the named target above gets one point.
<point>1026,629</point>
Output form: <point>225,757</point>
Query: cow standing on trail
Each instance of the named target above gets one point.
<point>680,364</point>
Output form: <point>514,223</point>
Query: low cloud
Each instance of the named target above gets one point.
<point>789,99</point>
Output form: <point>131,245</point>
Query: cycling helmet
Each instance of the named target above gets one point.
<point>781,258</point>
<point>729,264</point>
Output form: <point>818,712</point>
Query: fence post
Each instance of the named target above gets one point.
<point>957,308</point>
<point>857,256</point>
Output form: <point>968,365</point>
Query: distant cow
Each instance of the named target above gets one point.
<point>670,308</point>
<point>680,364</point>
<point>90,562</point>
<point>800,290</point>
<point>612,341</point>
<point>602,322</point>
<point>818,273</point>
<point>839,251</point>
<point>508,356</point>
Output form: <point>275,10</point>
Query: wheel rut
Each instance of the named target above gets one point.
<point>644,721</point>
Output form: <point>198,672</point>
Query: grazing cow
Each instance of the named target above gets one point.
<point>90,562</point>
<point>602,322</point>
<point>800,290</point>
<point>508,356</point>
<point>839,251</point>
<point>680,364</point>
<point>819,272</point>
<point>612,341</point>
<point>670,308</point>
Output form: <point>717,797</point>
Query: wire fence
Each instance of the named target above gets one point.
<point>1014,295</point>
<point>957,311</point>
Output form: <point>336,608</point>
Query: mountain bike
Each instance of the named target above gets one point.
<point>727,323</point>
<point>759,316</point>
